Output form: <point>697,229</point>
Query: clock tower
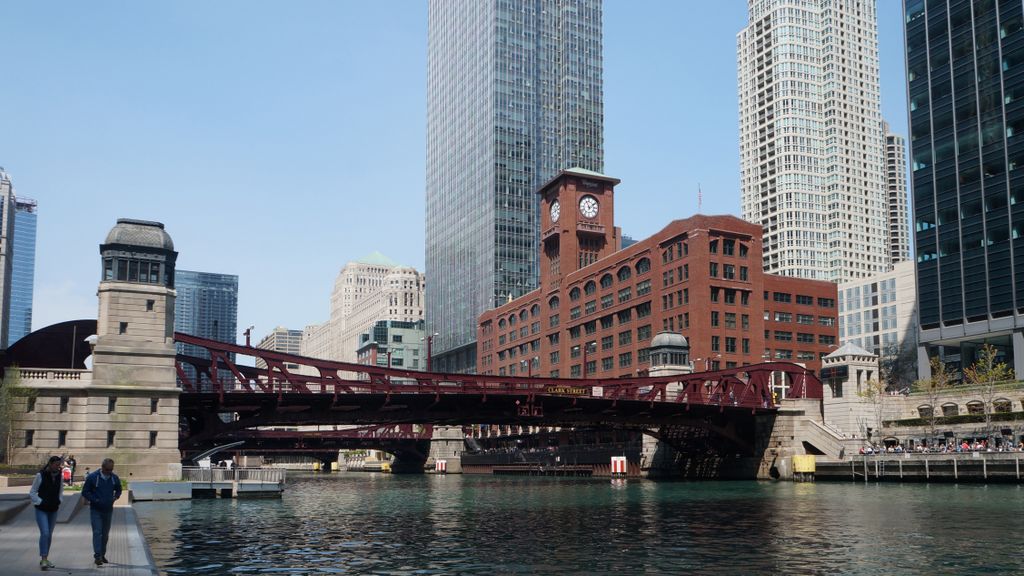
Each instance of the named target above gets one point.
<point>577,223</point>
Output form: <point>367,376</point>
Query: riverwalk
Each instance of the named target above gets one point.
<point>71,550</point>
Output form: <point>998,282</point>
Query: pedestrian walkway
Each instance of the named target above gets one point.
<point>71,549</point>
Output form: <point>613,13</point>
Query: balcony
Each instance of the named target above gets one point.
<point>551,232</point>
<point>590,229</point>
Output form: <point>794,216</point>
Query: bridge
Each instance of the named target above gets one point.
<point>324,392</point>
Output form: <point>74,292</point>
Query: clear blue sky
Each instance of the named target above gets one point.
<point>280,140</point>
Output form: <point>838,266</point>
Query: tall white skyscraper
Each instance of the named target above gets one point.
<point>812,148</point>
<point>896,183</point>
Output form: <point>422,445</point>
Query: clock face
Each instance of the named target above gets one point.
<point>556,211</point>
<point>588,206</point>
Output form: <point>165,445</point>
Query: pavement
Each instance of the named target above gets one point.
<point>71,548</point>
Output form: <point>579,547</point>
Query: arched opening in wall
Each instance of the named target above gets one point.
<point>1002,405</point>
<point>950,409</point>
<point>975,407</point>
<point>925,411</point>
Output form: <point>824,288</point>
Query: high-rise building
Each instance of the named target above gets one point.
<point>206,306</point>
<point>7,211</point>
<point>23,269</point>
<point>896,184</point>
<point>283,340</point>
<point>879,314</point>
<point>811,144</point>
<point>393,343</point>
<point>514,95</point>
<point>966,99</point>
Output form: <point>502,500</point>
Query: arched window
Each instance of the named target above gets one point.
<point>643,266</point>
<point>501,324</point>
<point>589,288</point>
<point>574,294</point>
<point>606,281</point>
<point>625,273</point>
<point>535,310</point>
<point>950,409</point>
<point>975,407</point>
<point>553,303</point>
<point>512,320</point>
<point>925,411</point>
<point>1002,405</point>
<point>522,315</point>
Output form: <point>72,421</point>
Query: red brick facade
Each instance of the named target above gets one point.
<point>597,308</point>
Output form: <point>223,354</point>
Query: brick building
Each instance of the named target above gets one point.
<point>598,307</point>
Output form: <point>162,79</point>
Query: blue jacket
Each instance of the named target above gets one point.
<point>101,493</point>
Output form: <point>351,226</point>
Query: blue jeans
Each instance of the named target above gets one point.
<point>100,520</point>
<point>46,521</point>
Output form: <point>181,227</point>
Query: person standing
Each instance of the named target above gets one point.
<point>46,494</point>
<point>74,464</point>
<point>100,490</point>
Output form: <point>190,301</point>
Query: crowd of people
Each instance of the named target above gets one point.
<point>975,445</point>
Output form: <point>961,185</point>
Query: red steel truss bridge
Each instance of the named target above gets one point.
<point>294,391</point>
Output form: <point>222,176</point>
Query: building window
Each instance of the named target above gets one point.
<point>123,328</point>
<point>62,438</point>
<point>574,294</point>
<point>714,294</point>
<point>783,335</point>
<point>714,343</point>
<point>152,439</point>
<point>590,288</point>
<point>29,437</point>
<point>574,312</point>
<point>30,404</point>
<point>713,269</point>
<point>625,273</point>
<point>714,319</point>
<point>730,320</point>
<point>713,247</point>
<point>607,363</point>
<point>625,337</point>
<point>590,307</point>
<point>745,321</point>
<point>746,346</point>
<point>111,404</point>
<point>728,247</point>
<point>607,342</point>
<point>154,405</point>
<point>574,371</point>
<point>804,300</point>
<point>625,316</point>
<point>554,320</point>
<point>783,297</point>
<point>827,302</point>
<point>396,337</point>
<point>744,276</point>
<point>590,327</point>
<point>574,332</point>
<point>643,310</point>
<point>606,281</point>
<point>64,404</point>
<point>591,366</point>
<point>607,301</point>
<point>555,357</point>
<point>643,266</point>
<point>643,333</point>
<point>625,294</point>
<point>625,360</point>
<point>728,271</point>
<point>110,438</point>
<point>730,344</point>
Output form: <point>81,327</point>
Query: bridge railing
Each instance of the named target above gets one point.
<point>213,475</point>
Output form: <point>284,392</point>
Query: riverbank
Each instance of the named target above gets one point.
<point>71,550</point>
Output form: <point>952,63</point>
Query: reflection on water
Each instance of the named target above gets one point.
<point>369,523</point>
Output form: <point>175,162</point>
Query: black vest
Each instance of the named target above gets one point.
<point>49,491</point>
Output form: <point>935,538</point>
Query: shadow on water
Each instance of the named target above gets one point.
<point>369,523</point>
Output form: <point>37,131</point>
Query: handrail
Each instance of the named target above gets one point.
<point>210,475</point>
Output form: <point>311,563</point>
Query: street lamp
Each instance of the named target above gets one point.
<point>430,341</point>
<point>248,332</point>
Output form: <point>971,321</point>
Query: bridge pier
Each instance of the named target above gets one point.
<point>448,443</point>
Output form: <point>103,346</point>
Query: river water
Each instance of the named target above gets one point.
<point>366,523</point>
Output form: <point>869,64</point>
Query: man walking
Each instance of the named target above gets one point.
<point>101,489</point>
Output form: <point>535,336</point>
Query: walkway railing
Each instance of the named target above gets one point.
<point>263,475</point>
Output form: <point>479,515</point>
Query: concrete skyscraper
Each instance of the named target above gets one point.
<point>812,147</point>
<point>7,210</point>
<point>514,95</point>
<point>965,70</point>
<point>896,184</point>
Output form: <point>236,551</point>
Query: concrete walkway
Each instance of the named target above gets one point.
<point>71,549</point>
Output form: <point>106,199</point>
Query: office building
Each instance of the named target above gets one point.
<point>597,308</point>
<point>7,212</point>
<point>899,207</point>
<point>965,74</point>
<point>206,306</point>
<point>281,339</point>
<point>395,344</point>
<point>514,95</point>
<point>812,148</point>
<point>879,314</point>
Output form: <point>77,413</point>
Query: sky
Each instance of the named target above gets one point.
<point>280,140</point>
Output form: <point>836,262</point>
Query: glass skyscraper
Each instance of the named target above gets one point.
<point>514,95</point>
<point>22,269</point>
<point>965,74</point>
<point>206,306</point>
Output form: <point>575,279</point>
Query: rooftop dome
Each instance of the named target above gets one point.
<point>141,233</point>
<point>669,339</point>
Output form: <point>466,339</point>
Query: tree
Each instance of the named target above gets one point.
<point>988,372</point>
<point>874,393</point>
<point>12,403</point>
<point>934,388</point>
<point>897,366</point>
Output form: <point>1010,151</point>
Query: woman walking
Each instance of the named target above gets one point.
<point>46,494</point>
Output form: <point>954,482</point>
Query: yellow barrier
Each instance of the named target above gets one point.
<point>803,464</point>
